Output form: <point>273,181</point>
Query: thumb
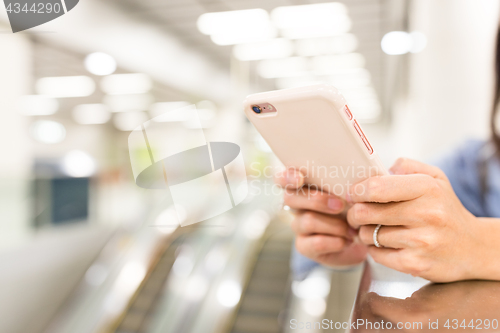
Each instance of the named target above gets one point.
<point>406,166</point>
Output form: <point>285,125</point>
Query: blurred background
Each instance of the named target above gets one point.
<point>84,249</point>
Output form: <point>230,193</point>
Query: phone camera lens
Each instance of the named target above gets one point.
<point>256,109</point>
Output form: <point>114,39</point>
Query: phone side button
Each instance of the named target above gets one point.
<point>368,145</point>
<point>363,138</point>
<point>348,112</point>
<point>358,129</point>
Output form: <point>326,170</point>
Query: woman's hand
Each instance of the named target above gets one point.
<point>322,233</point>
<point>426,231</point>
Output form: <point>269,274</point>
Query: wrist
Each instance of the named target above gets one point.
<point>485,250</point>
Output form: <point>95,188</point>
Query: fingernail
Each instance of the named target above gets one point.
<point>335,204</point>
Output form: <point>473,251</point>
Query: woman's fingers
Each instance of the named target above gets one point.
<point>290,179</point>
<point>302,197</point>
<point>309,223</point>
<point>399,259</point>
<point>390,188</point>
<point>394,213</point>
<point>388,236</point>
<point>312,199</point>
<point>313,246</point>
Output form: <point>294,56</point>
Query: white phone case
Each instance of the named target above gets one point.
<point>313,130</point>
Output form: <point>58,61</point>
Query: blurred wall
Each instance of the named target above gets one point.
<point>15,144</point>
<point>36,279</point>
<point>450,82</point>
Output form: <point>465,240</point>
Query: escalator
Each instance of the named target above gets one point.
<point>230,275</point>
<point>265,297</point>
<point>142,307</point>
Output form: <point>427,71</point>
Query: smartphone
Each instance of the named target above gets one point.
<point>312,129</point>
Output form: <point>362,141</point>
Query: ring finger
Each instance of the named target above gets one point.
<point>388,236</point>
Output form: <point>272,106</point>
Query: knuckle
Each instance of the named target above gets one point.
<point>318,245</point>
<point>437,214</point>
<point>374,187</point>
<point>433,185</point>
<point>359,212</point>
<point>414,265</point>
<point>424,240</point>
<point>401,161</point>
<point>308,222</point>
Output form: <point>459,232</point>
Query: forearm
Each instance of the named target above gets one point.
<point>487,256</point>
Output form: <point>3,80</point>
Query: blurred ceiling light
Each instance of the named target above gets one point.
<point>160,108</point>
<point>121,84</point>
<point>99,63</point>
<point>302,66</point>
<point>348,81</point>
<point>38,105</point>
<point>307,21</point>
<point>48,131</point>
<point>300,81</point>
<point>237,27</point>
<point>232,37</point>
<point>87,114</point>
<point>275,48</point>
<point>345,43</point>
<point>418,42</point>
<point>330,64</point>
<point>132,102</point>
<point>229,293</point>
<point>293,66</point>
<point>401,42</point>
<point>340,81</point>
<point>77,163</point>
<point>65,86</point>
<point>396,42</point>
<point>127,121</point>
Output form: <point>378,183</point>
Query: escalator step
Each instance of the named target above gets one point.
<point>256,324</point>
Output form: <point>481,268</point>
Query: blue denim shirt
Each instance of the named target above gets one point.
<point>462,167</point>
